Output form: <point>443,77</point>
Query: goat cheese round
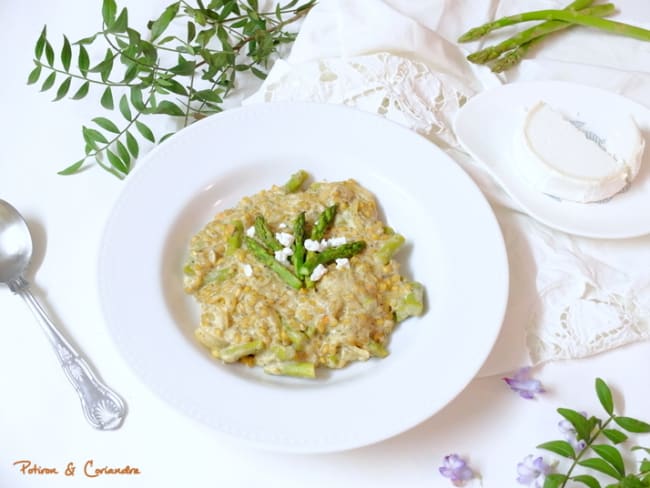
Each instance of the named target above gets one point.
<point>558,159</point>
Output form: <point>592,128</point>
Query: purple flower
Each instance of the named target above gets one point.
<point>523,384</point>
<point>532,471</point>
<point>456,469</point>
<point>571,435</point>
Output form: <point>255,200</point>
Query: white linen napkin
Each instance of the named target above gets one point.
<point>570,297</point>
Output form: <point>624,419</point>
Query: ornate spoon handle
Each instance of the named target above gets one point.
<point>103,408</point>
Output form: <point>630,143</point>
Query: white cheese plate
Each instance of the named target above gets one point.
<point>208,167</point>
<point>489,123</point>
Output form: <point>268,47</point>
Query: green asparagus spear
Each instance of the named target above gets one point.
<point>324,222</point>
<point>295,181</point>
<point>347,250</point>
<point>570,16</point>
<point>234,240</point>
<point>492,52</point>
<point>269,261</point>
<point>265,235</point>
<point>298,246</point>
<point>292,368</point>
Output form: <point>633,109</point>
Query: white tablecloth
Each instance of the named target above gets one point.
<point>40,418</point>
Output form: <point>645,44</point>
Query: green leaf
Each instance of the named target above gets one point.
<point>173,86</point>
<point>136,99</point>
<point>49,53</point>
<point>145,131</point>
<point>82,91</point>
<point>88,40</point>
<point>73,168</point>
<point>207,96</point>
<point>106,124</point>
<point>92,137</point>
<point>132,145</point>
<point>168,108</point>
<point>49,81</point>
<point>632,425</point>
<point>554,480</point>
<point>579,422</point>
<point>124,108</point>
<point>124,153</point>
<point>563,448</point>
<point>191,31</point>
<point>632,481</point>
<point>109,10</point>
<point>166,136</point>
<point>259,73</point>
<point>131,73</point>
<point>40,43</point>
<point>616,436</point>
<point>159,26</point>
<point>116,162</point>
<point>121,23</point>
<point>640,448</point>
<point>611,455</point>
<point>63,89</point>
<point>107,99</point>
<point>34,75</point>
<point>645,466</point>
<point>588,480</point>
<point>66,54</point>
<point>602,466</point>
<point>83,60</point>
<point>605,396</point>
<point>184,67</point>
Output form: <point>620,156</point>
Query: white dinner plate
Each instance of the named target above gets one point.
<point>454,248</point>
<point>488,123</point>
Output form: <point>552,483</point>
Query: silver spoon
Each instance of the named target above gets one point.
<point>103,408</point>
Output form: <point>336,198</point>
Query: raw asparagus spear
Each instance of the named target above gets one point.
<point>571,16</point>
<point>492,52</point>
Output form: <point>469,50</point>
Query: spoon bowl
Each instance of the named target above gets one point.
<point>15,244</point>
<point>103,408</point>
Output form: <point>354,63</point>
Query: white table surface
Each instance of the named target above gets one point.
<point>40,417</point>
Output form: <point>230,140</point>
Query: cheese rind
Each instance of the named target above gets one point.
<point>557,158</point>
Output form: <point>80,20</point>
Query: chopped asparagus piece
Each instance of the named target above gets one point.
<point>292,368</point>
<point>235,239</point>
<point>298,242</point>
<point>390,247</point>
<point>412,304</point>
<point>232,353</point>
<point>295,181</point>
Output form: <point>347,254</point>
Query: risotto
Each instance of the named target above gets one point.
<point>292,279</point>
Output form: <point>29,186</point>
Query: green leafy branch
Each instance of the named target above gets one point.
<point>510,52</point>
<point>187,76</point>
<point>598,455</point>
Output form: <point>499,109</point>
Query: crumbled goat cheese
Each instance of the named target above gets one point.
<point>284,238</point>
<point>248,270</point>
<point>312,245</point>
<point>336,241</point>
<point>283,254</point>
<point>250,232</point>
<point>282,225</point>
<point>342,263</point>
<point>318,272</point>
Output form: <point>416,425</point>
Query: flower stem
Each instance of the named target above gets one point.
<point>590,441</point>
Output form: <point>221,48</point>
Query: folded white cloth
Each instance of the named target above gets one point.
<point>570,297</point>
